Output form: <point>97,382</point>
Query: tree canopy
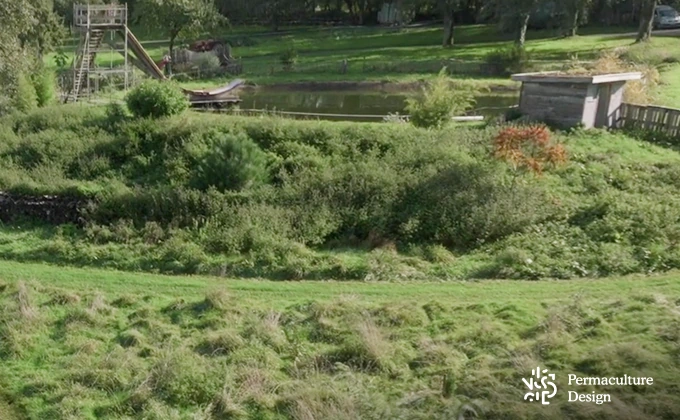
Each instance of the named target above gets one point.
<point>514,16</point>
<point>179,17</point>
<point>29,29</point>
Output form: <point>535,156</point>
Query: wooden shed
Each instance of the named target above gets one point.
<point>569,100</point>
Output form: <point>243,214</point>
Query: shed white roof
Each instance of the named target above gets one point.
<point>557,77</point>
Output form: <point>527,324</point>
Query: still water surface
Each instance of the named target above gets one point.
<point>355,103</point>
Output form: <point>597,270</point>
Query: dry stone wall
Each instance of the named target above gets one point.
<point>46,208</point>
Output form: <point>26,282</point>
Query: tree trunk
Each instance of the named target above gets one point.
<point>646,21</point>
<point>448,30</point>
<point>362,7</point>
<point>171,47</point>
<point>574,23</point>
<point>522,35</point>
<point>354,11</point>
<point>275,21</point>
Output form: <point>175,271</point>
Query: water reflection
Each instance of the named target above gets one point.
<point>352,103</point>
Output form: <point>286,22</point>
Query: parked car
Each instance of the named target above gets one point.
<point>666,17</point>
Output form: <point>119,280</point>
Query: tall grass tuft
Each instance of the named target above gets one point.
<point>216,299</point>
<point>439,102</point>
<point>225,406</point>
<point>620,61</point>
<point>27,308</point>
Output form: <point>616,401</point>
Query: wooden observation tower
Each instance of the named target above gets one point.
<point>98,26</point>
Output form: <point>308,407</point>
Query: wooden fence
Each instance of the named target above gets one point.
<point>649,117</point>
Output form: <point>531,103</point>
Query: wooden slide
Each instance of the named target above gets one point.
<point>148,66</point>
<point>143,61</point>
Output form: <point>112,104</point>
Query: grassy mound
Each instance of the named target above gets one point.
<point>99,344</point>
<point>265,197</point>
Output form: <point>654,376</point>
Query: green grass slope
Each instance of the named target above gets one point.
<point>80,344</point>
<point>281,199</point>
<point>388,53</point>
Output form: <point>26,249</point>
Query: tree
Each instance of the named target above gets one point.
<point>646,21</point>
<point>175,17</point>
<point>360,9</point>
<point>448,9</point>
<point>15,16</point>
<point>45,35</point>
<point>576,13</point>
<point>275,12</point>
<point>515,15</point>
<point>524,9</point>
<point>26,33</point>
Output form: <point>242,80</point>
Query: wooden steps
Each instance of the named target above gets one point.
<point>85,60</point>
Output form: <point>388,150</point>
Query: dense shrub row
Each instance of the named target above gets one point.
<point>215,191</point>
<point>24,93</point>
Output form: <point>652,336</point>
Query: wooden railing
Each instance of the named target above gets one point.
<point>87,15</point>
<point>649,117</point>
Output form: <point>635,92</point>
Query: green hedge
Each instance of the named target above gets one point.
<point>259,193</point>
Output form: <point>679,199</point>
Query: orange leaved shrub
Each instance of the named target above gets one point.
<point>529,148</point>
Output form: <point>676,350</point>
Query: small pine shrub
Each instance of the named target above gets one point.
<point>509,60</point>
<point>45,86</point>
<point>528,148</point>
<point>289,57</point>
<point>156,99</point>
<point>439,102</point>
<point>230,162</point>
<point>24,98</point>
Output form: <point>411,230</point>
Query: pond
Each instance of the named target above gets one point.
<point>354,105</point>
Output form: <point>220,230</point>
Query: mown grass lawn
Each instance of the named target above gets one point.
<point>668,93</point>
<point>387,53</point>
<point>85,343</point>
